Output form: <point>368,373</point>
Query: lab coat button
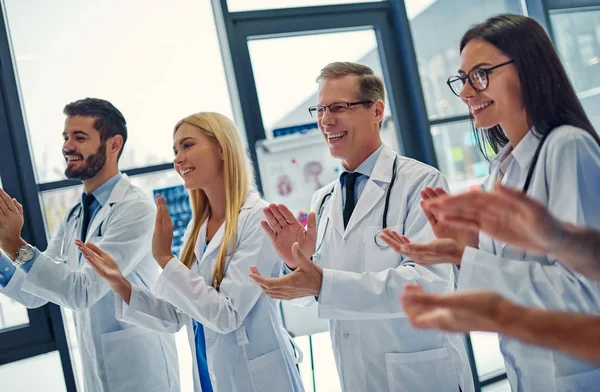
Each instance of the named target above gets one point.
<point>346,335</point>
<point>350,384</point>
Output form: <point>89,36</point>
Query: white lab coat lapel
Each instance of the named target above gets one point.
<point>373,193</point>
<point>252,198</point>
<point>335,213</point>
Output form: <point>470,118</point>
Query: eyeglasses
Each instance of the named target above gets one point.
<point>478,79</point>
<point>334,108</point>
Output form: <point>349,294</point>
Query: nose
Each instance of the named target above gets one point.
<point>327,119</point>
<point>467,91</point>
<point>179,158</point>
<point>68,146</point>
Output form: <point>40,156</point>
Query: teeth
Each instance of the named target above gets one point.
<point>69,158</point>
<point>333,136</point>
<point>481,106</point>
<point>186,171</point>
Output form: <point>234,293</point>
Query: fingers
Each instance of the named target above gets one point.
<point>268,230</point>
<point>6,204</point>
<point>163,219</point>
<point>273,222</point>
<point>288,216</point>
<point>311,224</point>
<point>434,319</point>
<point>428,213</point>
<point>394,239</point>
<point>281,221</point>
<point>462,222</point>
<point>440,192</point>
<point>270,284</point>
<point>96,250</point>
<point>18,206</point>
<point>428,193</point>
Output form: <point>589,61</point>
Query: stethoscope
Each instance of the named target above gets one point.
<point>70,238</point>
<point>380,244</point>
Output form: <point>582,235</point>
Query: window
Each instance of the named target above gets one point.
<point>155,62</point>
<point>577,36</point>
<point>245,5</point>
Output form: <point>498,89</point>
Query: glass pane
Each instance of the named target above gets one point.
<point>306,371</point>
<point>488,357</point>
<point>245,5</point>
<point>577,36</point>
<point>438,54</point>
<point>12,313</point>
<point>499,386</point>
<point>459,158</point>
<point>326,375</point>
<point>155,63</point>
<point>46,370</point>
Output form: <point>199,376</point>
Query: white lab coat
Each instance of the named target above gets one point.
<point>567,180</point>
<point>116,356</point>
<point>375,346</point>
<point>247,347</point>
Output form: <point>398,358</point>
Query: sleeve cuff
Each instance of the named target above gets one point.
<point>326,289</point>
<point>7,269</point>
<point>27,266</point>
<point>467,264</point>
<point>164,277</point>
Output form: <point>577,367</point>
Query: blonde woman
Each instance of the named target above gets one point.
<point>208,289</point>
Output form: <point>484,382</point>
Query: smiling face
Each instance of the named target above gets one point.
<point>198,159</point>
<point>354,134</point>
<point>501,101</point>
<point>83,149</point>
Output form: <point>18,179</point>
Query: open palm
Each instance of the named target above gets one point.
<point>284,230</point>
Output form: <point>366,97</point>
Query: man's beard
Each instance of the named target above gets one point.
<point>92,166</point>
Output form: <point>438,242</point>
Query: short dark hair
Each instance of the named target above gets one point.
<point>547,93</point>
<point>109,121</point>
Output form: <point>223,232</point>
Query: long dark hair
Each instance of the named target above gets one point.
<point>547,93</point>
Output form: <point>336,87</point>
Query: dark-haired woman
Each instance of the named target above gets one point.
<point>523,104</point>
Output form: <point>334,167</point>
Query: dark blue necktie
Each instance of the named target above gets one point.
<point>88,199</point>
<point>350,180</point>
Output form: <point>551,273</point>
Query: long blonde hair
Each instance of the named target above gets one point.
<point>237,175</point>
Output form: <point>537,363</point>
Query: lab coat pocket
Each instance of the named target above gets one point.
<point>378,255</point>
<point>134,361</point>
<point>269,372</point>
<point>422,371</point>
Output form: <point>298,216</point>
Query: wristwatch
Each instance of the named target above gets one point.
<point>24,254</point>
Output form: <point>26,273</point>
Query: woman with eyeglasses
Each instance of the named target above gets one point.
<point>524,107</point>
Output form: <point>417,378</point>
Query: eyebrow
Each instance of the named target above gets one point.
<point>182,141</point>
<point>76,132</point>
<point>475,66</point>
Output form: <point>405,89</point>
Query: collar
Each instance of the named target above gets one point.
<point>366,167</point>
<point>522,154</point>
<point>102,194</point>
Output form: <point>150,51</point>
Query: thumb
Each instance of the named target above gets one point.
<point>299,257</point>
<point>311,224</point>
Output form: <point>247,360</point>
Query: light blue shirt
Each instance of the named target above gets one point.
<point>7,268</point>
<point>365,169</point>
